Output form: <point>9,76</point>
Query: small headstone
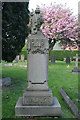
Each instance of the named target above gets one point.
<point>70,103</point>
<point>76,69</point>
<point>0,82</point>
<point>23,66</point>
<point>68,60</point>
<point>37,99</point>
<point>5,81</point>
<point>53,59</point>
<point>22,58</point>
<point>17,58</point>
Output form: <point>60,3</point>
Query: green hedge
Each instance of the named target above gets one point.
<point>59,54</point>
<point>25,54</point>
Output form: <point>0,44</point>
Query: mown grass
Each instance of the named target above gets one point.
<point>59,77</point>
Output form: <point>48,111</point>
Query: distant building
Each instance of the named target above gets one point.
<point>57,47</point>
<point>60,47</point>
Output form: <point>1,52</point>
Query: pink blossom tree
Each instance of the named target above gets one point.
<point>59,25</point>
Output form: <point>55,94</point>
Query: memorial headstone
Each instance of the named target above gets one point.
<point>53,59</point>
<point>6,81</point>
<point>22,58</point>
<point>68,60</point>
<point>37,98</point>
<point>17,58</point>
<point>76,69</point>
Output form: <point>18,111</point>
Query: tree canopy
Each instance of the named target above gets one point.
<point>59,25</point>
<point>15,17</point>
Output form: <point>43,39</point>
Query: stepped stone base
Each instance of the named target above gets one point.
<point>52,110</point>
<point>35,98</point>
<point>76,70</point>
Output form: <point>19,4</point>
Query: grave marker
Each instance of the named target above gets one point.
<point>53,59</point>
<point>76,69</point>
<point>37,98</point>
<point>22,58</point>
<point>17,58</point>
<point>68,60</point>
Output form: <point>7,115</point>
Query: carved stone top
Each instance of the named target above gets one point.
<point>36,21</point>
<point>37,43</point>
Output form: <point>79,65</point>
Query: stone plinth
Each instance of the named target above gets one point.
<point>50,110</point>
<point>37,98</point>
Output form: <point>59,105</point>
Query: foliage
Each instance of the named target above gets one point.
<point>15,17</point>
<point>59,25</point>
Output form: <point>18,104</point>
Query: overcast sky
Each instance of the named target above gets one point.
<point>72,4</point>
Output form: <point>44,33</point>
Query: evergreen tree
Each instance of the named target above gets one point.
<point>15,17</point>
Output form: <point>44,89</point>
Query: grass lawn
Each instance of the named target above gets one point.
<point>59,77</point>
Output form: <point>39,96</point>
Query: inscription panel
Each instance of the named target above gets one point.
<point>35,46</point>
<point>38,100</point>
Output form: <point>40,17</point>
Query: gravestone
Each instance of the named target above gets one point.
<point>53,59</point>
<point>76,69</point>
<point>22,58</point>
<point>17,58</point>
<point>37,99</point>
<point>68,60</point>
<point>5,81</point>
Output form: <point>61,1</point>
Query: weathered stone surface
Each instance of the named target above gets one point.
<point>53,59</point>
<point>32,86</point>
<point>5,81</point>
<point>22,58</point>
<point>52,110</point>
<point>68,60</point>
<point>17,58</point>
<point>70,103</point>
<point>37,98</point>
<point>0,82</point>
<point>76,69</point>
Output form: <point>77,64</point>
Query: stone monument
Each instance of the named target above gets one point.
<point>17,58</point>
<point>37,99</point>
<point>53,59</point>
<point>68,60</point>
<point>76,69</point>
<point>22,58</point>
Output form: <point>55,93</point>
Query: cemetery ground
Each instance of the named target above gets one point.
<point>59,76</point>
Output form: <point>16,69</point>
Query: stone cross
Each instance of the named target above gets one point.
<point>76,63</point>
